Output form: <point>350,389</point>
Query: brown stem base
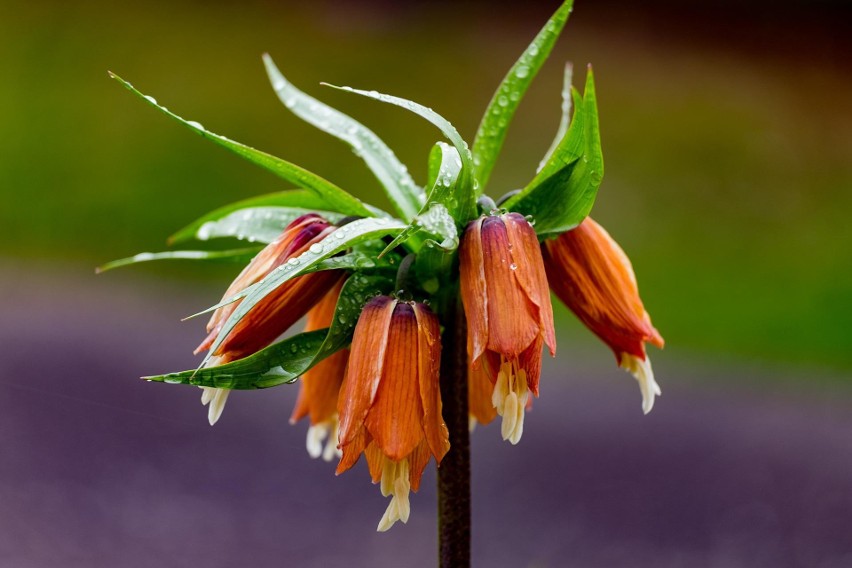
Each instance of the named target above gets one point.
<point>454,472</point>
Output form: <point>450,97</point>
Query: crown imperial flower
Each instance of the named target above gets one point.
<point>320,386</point>
<point>277,311</point>
<point>390,401</point>
<point>507,304</point>
<point>590,273</point>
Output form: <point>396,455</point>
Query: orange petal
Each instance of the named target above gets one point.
<point>512,321</point>
<point>292,241</point>
<point>479,389</point>
<point>417,462</point>
<point>591,274</point>
<point>530,362</point>
<point>526,255</point>
<point>321,385</point>
<point>395,416</point>
<point>429,356</point>
<point>366,360</point>
<point>352,451</point>
<point>375,461</point>
<point>320,389</point>
<point>276,313</point>
<point>473,289</point>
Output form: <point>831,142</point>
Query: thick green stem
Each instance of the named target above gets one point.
<point>454,472</point>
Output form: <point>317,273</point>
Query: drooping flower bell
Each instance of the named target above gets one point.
<point>590,273</point>
<point>279,310</point>
<point>390,401</point>
<point>321,385</point>
<point>509,314</point>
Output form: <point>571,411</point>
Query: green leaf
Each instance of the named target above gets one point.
<point>335,197</point>
<point>337,241</point>
<point>283,362</point>
<point>295,199</point>
<point>234,255</point>
<point>563,192</point>
<point>466,201</point>
<point>406,196</point>
<point>495,122</point>
<point>565,119</point>
<point>438,215</point>
<point>255,224</point>
<point>447,165</point>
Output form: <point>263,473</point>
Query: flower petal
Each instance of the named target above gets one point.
<point>530,273</point>
<point>530,362</point>
<point>512,319</point>
<point>593,277</point>
<point>320,386</point>
<point>394,420</point>
<point>417,461</point>
<point>366,360</point>
<point>474,290</point>
<point>479,390</point>
<point>352,451</point>
<point>429,374</point>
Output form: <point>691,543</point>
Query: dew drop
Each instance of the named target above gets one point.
<point>194,124</point>
<point>522,71</point>
<point>502,100</point>
<point>150,99</point>
<point>317,248</point>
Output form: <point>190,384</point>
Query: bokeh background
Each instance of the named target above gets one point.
<point>727,133</point>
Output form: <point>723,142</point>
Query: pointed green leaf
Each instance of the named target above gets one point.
<point>447,176</point>
<point>563,192</point>
<point>255,224</point>
<point>465,207</point>
<point>234,255</point>
<point>406,196</point>
<point>438,215</point>
<point>495,122</point>
<point>295,199</point>
<point>283,362</point>
<point>336,198</point>
<point>564,120</point>
<point>336,242</point>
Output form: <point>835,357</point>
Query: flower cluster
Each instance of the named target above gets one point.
<point>376,287</point>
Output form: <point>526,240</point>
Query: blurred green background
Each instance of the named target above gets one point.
<point>727,136</point>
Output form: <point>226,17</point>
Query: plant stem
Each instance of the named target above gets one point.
<point>454,472</point>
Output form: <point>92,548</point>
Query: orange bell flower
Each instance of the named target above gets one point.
<point>320,386</point>
<point>509,315</point>
<point>479,393</point>
<point>390,401</point>
<point>590,273</point>
<point>279,310</point>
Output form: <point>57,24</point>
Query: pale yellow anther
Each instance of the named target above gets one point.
<point>643,373</point>
<point>323,431</point>
<point>216,398</point>
<point>510,397</point>
<point>395,482</point>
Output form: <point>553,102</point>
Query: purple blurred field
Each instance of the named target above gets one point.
<point>101,470</point>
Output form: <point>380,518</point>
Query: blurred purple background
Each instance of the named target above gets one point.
<point>734,467</point>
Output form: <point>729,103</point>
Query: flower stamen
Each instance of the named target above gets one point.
<point>510,396</point>
<point>395,482</point>
<point>213,396</point>
<point>642,371</point>
<point>324,431</point>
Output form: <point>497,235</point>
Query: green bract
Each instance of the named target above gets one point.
<point>430,218</point>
